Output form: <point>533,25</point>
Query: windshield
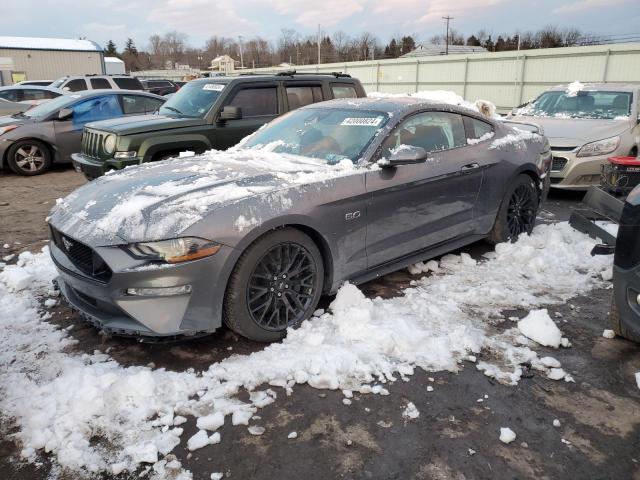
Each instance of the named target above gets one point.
<point>584,104</point>
<point>330,134</point>
<point>193,100</point>
<point>45,109</point>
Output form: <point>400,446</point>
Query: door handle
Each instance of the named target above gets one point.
<point>470,166</point>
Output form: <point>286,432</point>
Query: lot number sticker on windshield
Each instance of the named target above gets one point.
<point>362,121</point>
<point>216,87</point>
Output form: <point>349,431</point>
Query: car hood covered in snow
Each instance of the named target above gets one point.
<point>160,200</point>
<point>564,132</point>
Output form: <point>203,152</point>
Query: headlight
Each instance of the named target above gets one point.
<point>174,251</point>
<point>8,128</point>
<point>601,147</point>
<point>110,144</point>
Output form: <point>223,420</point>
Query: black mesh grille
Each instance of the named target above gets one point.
<point>558,164</point>
<point>82,256</point>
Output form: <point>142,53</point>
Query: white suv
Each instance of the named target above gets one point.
<point>76,83</point>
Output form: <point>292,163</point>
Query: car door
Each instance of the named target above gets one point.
<point>69,131</point>
<point>258,103</point>
<point>414,207</point>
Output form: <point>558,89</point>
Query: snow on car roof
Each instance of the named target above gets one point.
<point>40,43</point>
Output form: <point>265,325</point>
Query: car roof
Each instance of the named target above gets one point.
<point>102,91</point>
<point>604,87</point>
<point>391,105</point>
<point>32,87</point>
<point>271,77</point>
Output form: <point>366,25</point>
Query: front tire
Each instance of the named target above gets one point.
<point>29,157</point>
<point>518,211</point>
<point>276,284</point>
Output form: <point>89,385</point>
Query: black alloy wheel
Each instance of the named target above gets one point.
<point>521,214</point>
<point>281,287</point>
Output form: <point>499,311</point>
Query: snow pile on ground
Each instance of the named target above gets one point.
<point>60,401</point>
<point>574,88</point>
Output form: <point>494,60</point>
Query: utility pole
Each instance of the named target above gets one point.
<point>448,19</point>
<point>318,44</point>
<point>241,58</point>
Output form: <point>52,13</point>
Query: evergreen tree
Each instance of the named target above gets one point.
<point>472,41</point>
<point>111,49</point>
<point>130,47</point>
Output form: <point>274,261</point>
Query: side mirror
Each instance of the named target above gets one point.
<point>404,155</point>
<point>65,114</point>
<point>231,113</point>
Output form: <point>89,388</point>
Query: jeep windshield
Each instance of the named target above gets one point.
<point>330,134</point>
<point>193,100</point>
<point>585,104</point>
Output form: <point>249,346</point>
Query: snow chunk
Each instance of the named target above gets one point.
<point>609,334</point>
<point>216,476</point>
<point>550,362</point>
<point>292,435</point>
<point>410,412</point>
<point>507,435</point>
<point>539,327</point>
<point>556,423</point>
<point>202,439</point>
<point>256,430</point>
<point>573,88</point>
<point>638,379</point>
<point>211,422</point>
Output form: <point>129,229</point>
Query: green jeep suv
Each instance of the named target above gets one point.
<point>210,113</point>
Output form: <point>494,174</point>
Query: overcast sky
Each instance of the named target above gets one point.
<point>101,20</point>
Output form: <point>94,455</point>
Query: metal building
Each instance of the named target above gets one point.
<point>31,58</point>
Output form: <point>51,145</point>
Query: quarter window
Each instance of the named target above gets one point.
<point>98,83</point>
<point>127,83</point>
<point>76,85</point>
<point>433,131</point>
<point>477,130</point>
<point>343,91</point>
<point>10,95</point>
<point>34,94</point>
<point>301,96</point>
<point>138,104</point>
<point>256,102</point>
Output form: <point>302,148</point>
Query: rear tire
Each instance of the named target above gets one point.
<point>616,324</point>
<point>29,157</point>
<point>517,213</point>
<point>276,284</point>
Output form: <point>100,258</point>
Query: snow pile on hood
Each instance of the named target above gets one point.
<point>161,199</point>
<point>60,401</point>
<point>574,88</point>
<point>484,107</point>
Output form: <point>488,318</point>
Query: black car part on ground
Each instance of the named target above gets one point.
<point>602,207</point>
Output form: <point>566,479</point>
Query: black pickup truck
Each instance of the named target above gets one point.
<point>211,113</point>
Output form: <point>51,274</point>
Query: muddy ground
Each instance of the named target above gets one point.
<point>455,437</point>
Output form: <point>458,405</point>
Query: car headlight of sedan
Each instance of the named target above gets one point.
<point>601,147</point>
<point>176,250</point>
<point>7,128</point>
<point>110,144</point>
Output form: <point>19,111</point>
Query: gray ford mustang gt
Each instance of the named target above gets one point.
<point>345,190</point>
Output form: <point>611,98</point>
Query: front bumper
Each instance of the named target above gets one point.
<point>107,305</point>
<point>576,173</point>
<point>93,167</point>
<point>626,288</point>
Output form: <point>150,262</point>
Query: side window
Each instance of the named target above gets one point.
<point>34,95</point>
<point>127,83</point>
<point>343,91</point>
<point>477,130</point>
<point>433,131</point>
<point>76,85</point>
<point>301,96</point>
<point>11,95</point>
<point>138,104</point>
<point>97,108</point>
<point>256,102</point>
<point>98,83</point>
